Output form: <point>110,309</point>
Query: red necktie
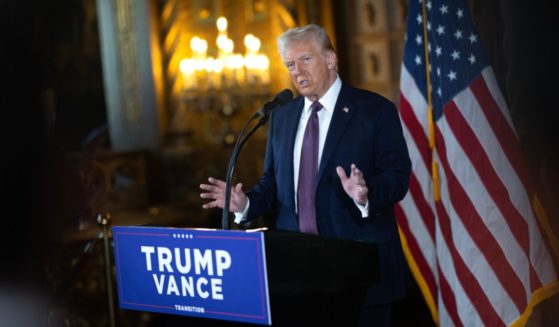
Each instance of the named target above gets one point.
<point>308,169</point>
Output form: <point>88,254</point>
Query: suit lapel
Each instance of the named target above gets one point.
<point>343,113</point>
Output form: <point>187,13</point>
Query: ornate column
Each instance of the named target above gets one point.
<point>174,40</point>
<point>132,73</point>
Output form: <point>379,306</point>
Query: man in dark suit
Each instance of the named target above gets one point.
<point>360,170</point>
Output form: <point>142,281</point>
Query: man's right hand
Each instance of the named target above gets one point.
<point>216,192</point>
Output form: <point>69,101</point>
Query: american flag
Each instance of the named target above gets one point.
<point>475,245</point>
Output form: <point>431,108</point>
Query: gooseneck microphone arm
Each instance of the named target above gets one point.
<point>231,168</point>
<point>263,116</point>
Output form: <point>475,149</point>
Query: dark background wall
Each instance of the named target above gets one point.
<point>22,137</point>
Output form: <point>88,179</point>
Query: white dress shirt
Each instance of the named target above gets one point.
<point>328,102</point>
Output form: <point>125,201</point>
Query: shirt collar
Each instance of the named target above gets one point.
<point>328,101</point>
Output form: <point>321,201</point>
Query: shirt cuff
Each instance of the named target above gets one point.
<point>363,208</point>
<point>241,217</point>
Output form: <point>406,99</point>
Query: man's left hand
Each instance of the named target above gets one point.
<point>354,185</point>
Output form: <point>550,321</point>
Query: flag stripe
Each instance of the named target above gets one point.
<point>481,241</point>
<point>535,282</point>
<point>421,185</point>
<point>445,318</point>
<point>501,194</point>
<point>474,225</point>
<point>420,190</point>
<point>517,195</point>
<point>414,128</point>
<point>467,311</point>
<point>496,96</point>
<point>422,206</point>
<point>411,94</point>
<point>517,179</point>
<point>496,151</point>
<point>449,300</point>
<point>415,205</point>
<point>495,188</point>
<point>474,260</point>
<point>469,283</point>
<point>503,131</point>
<point>418,255</point>
<point>412,123</point>
<point>416,272</point>
<point>482,130</point>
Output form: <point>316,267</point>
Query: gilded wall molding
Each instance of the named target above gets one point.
<point>174,42</point>
<point>128,62</point>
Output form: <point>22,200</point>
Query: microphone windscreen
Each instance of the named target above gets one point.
<point>284,97</point>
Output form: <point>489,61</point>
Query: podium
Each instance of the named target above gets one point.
<point>260,277</point>
<point>300,264</point>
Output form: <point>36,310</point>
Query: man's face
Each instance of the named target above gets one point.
<point>311,71</point>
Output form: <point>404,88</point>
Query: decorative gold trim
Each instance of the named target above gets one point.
<point>538,296</point>
<point>128,62</point>
<point>429,298</point>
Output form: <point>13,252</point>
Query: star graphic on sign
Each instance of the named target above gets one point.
<point>443,9</point>
<point>458,34</point>
<point>438,51</point>
<point>440,30</point>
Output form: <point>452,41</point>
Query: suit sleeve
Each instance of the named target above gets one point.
<point>390,181</point>
<point>263,195</point>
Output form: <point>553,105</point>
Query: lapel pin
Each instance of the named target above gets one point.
<point>346,110</point>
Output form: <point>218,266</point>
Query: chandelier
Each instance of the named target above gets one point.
<point>228,68</point>
<point>220,79</point>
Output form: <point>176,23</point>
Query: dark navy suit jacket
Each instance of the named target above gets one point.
<point>365,130</point>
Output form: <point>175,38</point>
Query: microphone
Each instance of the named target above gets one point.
<point>279,100</point>
<point>264,114</point>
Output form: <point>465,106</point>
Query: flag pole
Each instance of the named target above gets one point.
<point>430,120</point>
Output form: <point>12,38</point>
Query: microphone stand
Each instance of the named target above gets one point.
<point>240,142</point>
<point>104,221</point>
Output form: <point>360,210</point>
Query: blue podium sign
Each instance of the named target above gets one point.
<point>216,274</point>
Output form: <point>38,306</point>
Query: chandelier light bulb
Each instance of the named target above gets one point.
<point>221,24</point>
